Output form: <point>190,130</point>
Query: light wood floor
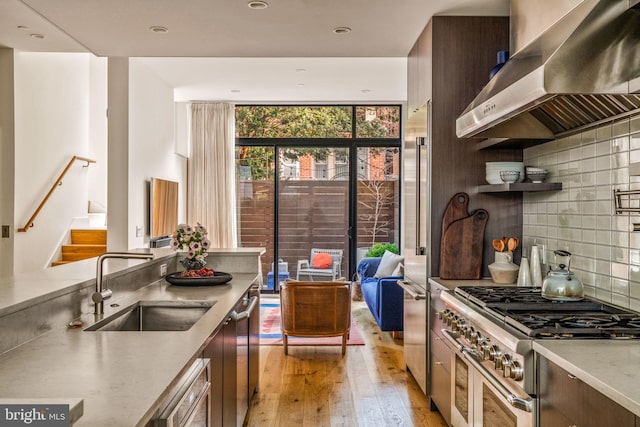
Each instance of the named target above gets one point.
<point>315,386</point>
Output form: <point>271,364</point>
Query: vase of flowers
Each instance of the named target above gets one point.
<point>194,240</point>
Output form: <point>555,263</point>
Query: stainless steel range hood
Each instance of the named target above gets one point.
<point>583,70</point>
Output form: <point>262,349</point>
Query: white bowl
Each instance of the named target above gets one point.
<point>509,176</point>
<point>537,177</point>
<point>493,170</point>
<point>531,169</point>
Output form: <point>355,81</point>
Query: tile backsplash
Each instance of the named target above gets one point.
<point>581,217</point>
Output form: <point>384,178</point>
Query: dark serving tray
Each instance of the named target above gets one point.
<point>218,278</point>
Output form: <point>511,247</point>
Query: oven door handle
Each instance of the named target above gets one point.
<point>515,401</point>
<point>453,340</point>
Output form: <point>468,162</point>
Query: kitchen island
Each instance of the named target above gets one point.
<point>121,377</point>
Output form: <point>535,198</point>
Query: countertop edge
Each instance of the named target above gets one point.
<point>571,357</point>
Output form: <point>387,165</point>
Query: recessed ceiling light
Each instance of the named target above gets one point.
<point>341,30</point>
<point>300,70</point>
<point>159,29</point>
<point>257,4</point>
<point>235,90</point>
<point>22,27</point>
<point>300,84</point>
<point>365,90</point>
<point>37,36</point>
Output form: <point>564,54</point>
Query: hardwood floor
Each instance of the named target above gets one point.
<point>315,386</point>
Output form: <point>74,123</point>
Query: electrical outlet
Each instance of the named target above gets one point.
<point>139,232</point>
<point>5,231</point>
<point>163,269</point>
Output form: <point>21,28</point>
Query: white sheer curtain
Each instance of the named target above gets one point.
<point>211,195</point>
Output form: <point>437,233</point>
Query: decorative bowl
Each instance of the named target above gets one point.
<point>531,169</point>
<point>493,170</point>
<point>509,176</point>
<point>537,177</point>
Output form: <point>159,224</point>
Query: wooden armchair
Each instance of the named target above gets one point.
<point>333,272</point>
<point>315,309</point>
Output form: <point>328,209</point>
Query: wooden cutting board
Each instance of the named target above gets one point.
<point>462,244</point>
<point>456,209</point>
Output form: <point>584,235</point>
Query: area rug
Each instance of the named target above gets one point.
<point>271,334</point>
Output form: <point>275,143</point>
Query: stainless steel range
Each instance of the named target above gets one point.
<point>490,331</point>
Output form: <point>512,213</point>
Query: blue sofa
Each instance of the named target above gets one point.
<point>383,296</point>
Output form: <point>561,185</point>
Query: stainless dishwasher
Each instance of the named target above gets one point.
<point>245,314</point>
<point>189,400</point>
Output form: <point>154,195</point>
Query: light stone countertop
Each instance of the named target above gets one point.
<point>121,377</point>
<point>610,366</point>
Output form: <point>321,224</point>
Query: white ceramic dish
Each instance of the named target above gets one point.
<point>493,170</point>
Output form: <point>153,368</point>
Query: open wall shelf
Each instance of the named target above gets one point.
<point>520,186</point>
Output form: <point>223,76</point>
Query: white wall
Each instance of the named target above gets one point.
<point>6,159</point>
<point>98,129</point>
<point>51,126</point>
<point>151,146</point>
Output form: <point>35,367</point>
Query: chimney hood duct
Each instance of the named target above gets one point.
<point>583,70</point>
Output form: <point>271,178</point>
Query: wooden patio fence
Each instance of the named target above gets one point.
<point>313,214</point>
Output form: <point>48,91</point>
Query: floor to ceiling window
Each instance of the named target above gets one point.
<point>316,177</point>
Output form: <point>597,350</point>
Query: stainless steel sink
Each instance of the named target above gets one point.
<point>155,316</point>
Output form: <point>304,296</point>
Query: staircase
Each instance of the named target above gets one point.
<point>85,243</point>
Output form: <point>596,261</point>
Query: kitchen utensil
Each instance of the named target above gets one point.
<point>498,245</point>
<point>493,171</point>
<point>536,268</point>
<point>524,274</point>
<point>537,177</point>
<point>512,243</point>
<point>503,270</point>
<point>509,176</point>
<point>461,251</point>
<point>456,209</point>
<point>560,283</point>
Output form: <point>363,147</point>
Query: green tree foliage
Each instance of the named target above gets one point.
<point>260,121</point>
<point>293,122</point>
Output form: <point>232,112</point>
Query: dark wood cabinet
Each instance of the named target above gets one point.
<point>419,72</point>
<point>565,400</point>
<point>449,65</point>
<point>221,349</point>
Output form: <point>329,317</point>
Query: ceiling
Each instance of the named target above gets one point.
<point>237,53</point>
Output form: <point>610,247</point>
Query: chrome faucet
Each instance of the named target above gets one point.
<point>100,294</point>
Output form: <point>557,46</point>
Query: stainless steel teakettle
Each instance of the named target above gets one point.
<point>561,284</point>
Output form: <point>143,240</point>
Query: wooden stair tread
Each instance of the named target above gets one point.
<point>85,243</point>
<point>78,257</point>
<point>89,236</point>
<point>83,247</point>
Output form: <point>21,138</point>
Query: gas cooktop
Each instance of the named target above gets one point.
<point>526,310</point>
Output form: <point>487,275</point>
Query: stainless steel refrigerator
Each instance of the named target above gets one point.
<point>416,208</point>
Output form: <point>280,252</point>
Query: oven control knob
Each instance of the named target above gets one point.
<point>471,335</point>
<point>494,356</point>
<point>515,371</point>
<point>457,325</point>
<point>506,362</point>
<point>476,338</point>
<point>485,349</point>
<point>442,315</point>
<point>462,328</point>
<point>468,330</point>
<point>451,319</point>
